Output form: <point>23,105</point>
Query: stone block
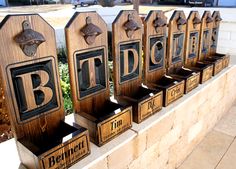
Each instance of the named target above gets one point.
<point>147,158</point>
<point>158,130</point>
<point>170,138</point>
<point>102,164</point>
<point>194,131</point>
<point>139,144</point>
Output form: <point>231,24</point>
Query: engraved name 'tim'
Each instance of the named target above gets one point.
<point>115,124</point>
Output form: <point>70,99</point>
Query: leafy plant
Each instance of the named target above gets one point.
<point>65,86</point>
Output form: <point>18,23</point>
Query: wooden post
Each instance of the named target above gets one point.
<point>86,39</point>
<point>127,55</point>
<point>205,43</point>
<point>32,92</point>
<point>136,5</point>
<point>192,47</point>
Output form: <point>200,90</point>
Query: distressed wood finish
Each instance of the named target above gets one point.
<point>214,40</point>
<point>192,43</point>
<point>205,44</point>
<point>32,91</point>
<point>154,42</point>
<point>127,64</point>
<point>176,52</point>
<point>86,39</point>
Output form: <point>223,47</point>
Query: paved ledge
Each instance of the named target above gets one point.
<point>218,148</point>
<point>165,139</point>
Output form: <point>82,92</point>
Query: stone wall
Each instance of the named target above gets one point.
<point>165,139</point>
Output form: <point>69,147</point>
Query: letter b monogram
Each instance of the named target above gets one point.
<point>34,88</point>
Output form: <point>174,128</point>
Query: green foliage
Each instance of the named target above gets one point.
<point>65,86</point>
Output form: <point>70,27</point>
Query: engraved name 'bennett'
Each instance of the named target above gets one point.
<point>70,153</point>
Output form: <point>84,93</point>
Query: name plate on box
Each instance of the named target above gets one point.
<point>192,82</point>
<point>225,61</point>
<point>68,154</point>
<point>207,73</point>
<point>218,66</point>
<point>174,92</point>
<point>150,106</point>
<point>115,125</point>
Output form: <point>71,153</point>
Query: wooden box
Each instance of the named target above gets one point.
<point>206,43</point>
<point>175,52</point>
<point>154,42</point>
<point>32,92</point>
<point>86,39</point>
<point>192,48</point>
<point>127,64</point>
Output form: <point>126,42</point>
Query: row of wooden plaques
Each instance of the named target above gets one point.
<point>149,72</point>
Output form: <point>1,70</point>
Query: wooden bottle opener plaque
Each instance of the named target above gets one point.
<point>154,42</point>
<point>86,39</point>
<point>206,43</point>
<point>127,55</point>
<point>214,40</point>
<point>32,92</point>
<point>192,48</point>
<point>175,52</point>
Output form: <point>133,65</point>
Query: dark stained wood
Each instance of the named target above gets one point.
<point>176,52</point>
<point>205,44</point>
<point>76,43</point>
<point>192,43</point>
<point>127,66</point>
<point>118,36</point>
<point>86,39</point>
<point>192,38</point>
<point>205,35</point>
<point>32,92</point>
<point>15,57</point>
<point>154,42</point>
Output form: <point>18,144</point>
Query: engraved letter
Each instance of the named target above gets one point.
<point>91,68</point>
<point>126,61</point>
<point>30,90</point>
<point>51,161</point>
<point>154,51</point>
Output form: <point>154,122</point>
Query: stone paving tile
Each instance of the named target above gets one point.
<point>209,152</point>
<point>227,124</point>
<point>229,159</point>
